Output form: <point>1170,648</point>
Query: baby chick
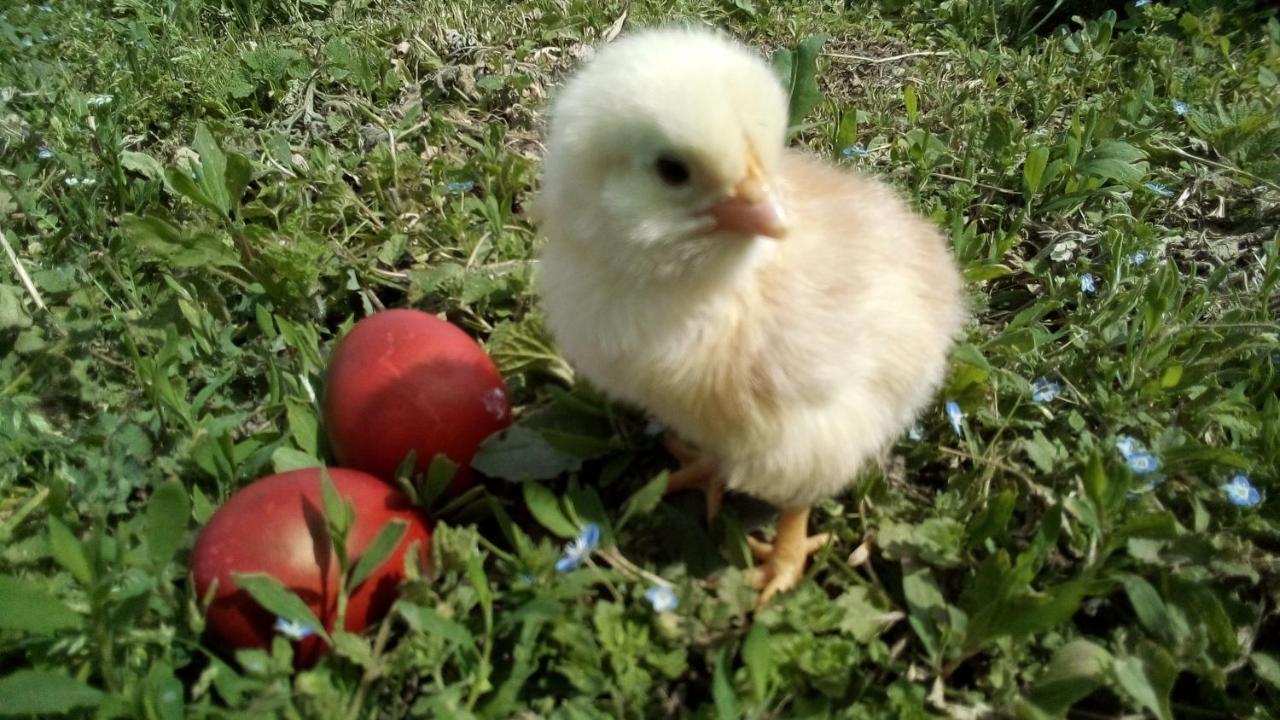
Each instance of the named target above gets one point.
<point>787,318</point>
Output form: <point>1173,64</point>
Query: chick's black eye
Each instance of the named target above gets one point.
<point>671,170</point>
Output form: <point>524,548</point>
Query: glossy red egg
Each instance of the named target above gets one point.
<point>404,380</point>
<point>277,526</point>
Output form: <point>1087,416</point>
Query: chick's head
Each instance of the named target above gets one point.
<point>663,152</point>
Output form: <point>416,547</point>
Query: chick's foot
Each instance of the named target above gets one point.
<point>784,559</point>
<point>696,472</point>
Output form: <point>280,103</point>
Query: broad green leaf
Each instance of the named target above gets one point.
<point>520,454</point>
<point>798,69</point>
<point>239,173</point>
<point>303,426</point>
<point>911,103</point>
<point>279,600</point>
<point>383,545</point>
<point>427,620</point>
<point>212,176</point>
<point>644,500</point>
<point>545,507</point>
<point>28,608</point>
<point>1147,679</point>
<point>1076,670</point>
<point>40,692</point>
<point>142,164</point>
<point>183,184</point>
<point>1033,170</point>
<point>69,552</point>
<point>722,692</point>
<point>285,458</point>
<point>1149,607</point>
<point>758,657</point>
<point>1267,668</point>
<point>436,481</point>
<point>168,511</point>
<point>164,695</point>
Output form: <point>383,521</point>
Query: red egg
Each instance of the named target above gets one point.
<point>405,380</point>
<point>277,526</point>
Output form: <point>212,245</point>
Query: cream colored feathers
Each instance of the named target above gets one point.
<point>788,318</point>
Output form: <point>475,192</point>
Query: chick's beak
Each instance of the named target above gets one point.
<point>752,208</point>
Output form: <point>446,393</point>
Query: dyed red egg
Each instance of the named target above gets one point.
<point>405,380</point>
<point>277,526</point>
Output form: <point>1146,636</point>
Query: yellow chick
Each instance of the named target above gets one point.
<point>786,318</point>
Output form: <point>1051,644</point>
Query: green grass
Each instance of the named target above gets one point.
<point>379,154</point>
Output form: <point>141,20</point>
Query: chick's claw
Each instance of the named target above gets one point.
<point>784,559</point>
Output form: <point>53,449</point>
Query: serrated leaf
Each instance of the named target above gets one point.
<point>279,600</point>
<point>68,551</point>
<point>758,657</point>
<point>354,648</point>
<point>519,454</point>
<point>28,608</point>
<point>167,513</point>
<point>544,505</point>
<point>383,545</point>
<point>798,70</point>
<point>39,692</point>
<point>427,620</point>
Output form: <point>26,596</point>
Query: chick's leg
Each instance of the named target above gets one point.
<point>696,472</point>
<point>784,559</point>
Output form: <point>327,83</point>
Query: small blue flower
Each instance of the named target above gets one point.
<point>72,181</point>
<point>293,630</point>
<point>1241,492</point>
<point>915,432</point>
<point>579,549</point>
<point>1138,258</point>
<point>463,186</point>
<point>99,100</point>
<point>1141,3</point>
<point>955,416</point>
<point>854,151</point>
<point>44,153</point>
<point>1180,107</point>
<point>27,42</point>
<point>662,598</point>
<point>1142,463</point>
<point>1044,390</point>
<point>1087,283</point>
<point>1128,446</point>
<point>1158,189</point>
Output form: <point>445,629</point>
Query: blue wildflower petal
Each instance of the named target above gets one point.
<point>293,630</point>
<point>1087,283</point>
<point>1143,463</point>
<point>661,598</point>
<point>44,153</point>
<point>1180,107</point>
<point>1138,258</point>
<point>1044,390</point>
<point>579,548</point>
<point>854,151</point>
<point>955,416</point>
<point>462,186</point>
<point>1158,189</point>
<point>1241,492</point>
<point>1127,445</point>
